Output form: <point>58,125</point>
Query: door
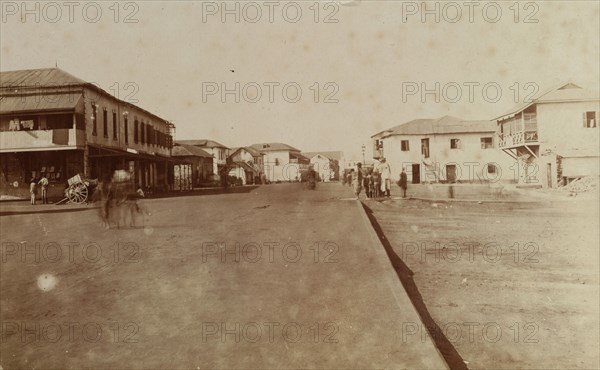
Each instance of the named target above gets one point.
<point>416,173</point>
<point>451,173</point>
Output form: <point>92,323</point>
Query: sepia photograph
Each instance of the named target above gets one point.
<point>308,184</point>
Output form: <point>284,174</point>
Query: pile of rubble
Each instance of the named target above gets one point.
<point>581,185</point>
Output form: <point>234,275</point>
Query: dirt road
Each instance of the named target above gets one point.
<point>278,277</point>
<point>510,285</point>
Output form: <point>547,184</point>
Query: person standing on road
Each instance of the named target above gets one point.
<point>376,183</point>
<point>357,179</point>
<point>386,176</point>
<point>367,182</point>
<point>403,182</point>
<point>44,184</point>
<point>33,189</point>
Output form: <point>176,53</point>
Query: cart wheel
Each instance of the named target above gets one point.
<point>78,193</point>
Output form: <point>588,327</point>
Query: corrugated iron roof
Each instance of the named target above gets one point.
<point>203,143</point>
<point>37,103</point>
<point>253,152</point>
<point>270,147</point>
<point>443,125</point>
<point>330,155</point>
<point>246,166</point>
<point>185,150</point>
<point>563,92</point>
<point>28,80</point>
<point>45,77</point>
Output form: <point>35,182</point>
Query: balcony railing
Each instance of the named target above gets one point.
<point>35,140</point>
<point>517,139</point>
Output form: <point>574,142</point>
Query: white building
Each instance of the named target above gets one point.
<point>246,164</point>
<point>446,149</point>
<point>282,162</point>
<point>327,164</point>
<point>554,137</point>
<point>219,152</point>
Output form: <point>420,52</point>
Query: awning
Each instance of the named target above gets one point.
<point>114,152</point>
<point>246,167</point>
<point>39,103</point>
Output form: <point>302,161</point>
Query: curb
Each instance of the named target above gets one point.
<point>392,280</point>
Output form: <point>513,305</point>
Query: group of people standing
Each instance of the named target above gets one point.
<point>33,187</point>
<point>375,181</point>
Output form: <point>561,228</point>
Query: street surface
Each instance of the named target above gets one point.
<point>509,285</point>
<point>270,277</point>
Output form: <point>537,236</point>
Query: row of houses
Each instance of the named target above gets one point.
<point>56,124</point>
<point>546,142</point>
<point>208,160</point>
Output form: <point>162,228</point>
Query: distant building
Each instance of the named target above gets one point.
<point>247,164</point>
<point>327,164</point>
<point>195,166</point>
<point>52,122</point>
<point>282,162</point>
<point>554,137</point>
<point>216,149</point>
<point>445,149</point>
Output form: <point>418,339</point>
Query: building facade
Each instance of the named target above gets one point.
<point>282,162</point>
<point>554,138</point>
<point>195,166</point>
<point>247,164</point>
<point>219,152</point>
<point>326,164</point>
<point>444,150</point>
<point>54,123</point>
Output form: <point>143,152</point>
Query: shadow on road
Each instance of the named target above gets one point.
<point>405,274</point>
<point>47,210</point>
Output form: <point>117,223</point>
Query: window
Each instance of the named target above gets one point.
<point>136,136</point>
<point>454,143</point>
<point>590,120</point>
<point>105,122</point>
<point>491,168</point>
<point>126,130</point>
<point>487,142</point>
<point>425,148</point>
<point>142,132</point>
<point>404,146</point>
<point>114,125</point>
<point>94,120</point>
<point>150,134</point>
<point>276,161</point>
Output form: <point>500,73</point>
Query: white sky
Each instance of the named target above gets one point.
<point>368,54</point>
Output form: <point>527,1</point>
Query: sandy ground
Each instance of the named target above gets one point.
<point>274,277</point>
<point>510,285</point>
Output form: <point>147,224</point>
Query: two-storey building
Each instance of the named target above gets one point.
<point>282,162</point>
<point>445,149</point>
<point>554,138</point>
<point>54,123</point>
<point>246,163</point>
<point>219,152</point>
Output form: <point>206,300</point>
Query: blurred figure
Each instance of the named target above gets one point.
<point>357,180</point>
<point>312,178</point>
<point>105,194</point>
<point>44,184</point>
<point>33,189</point>
<point>403,183</point>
